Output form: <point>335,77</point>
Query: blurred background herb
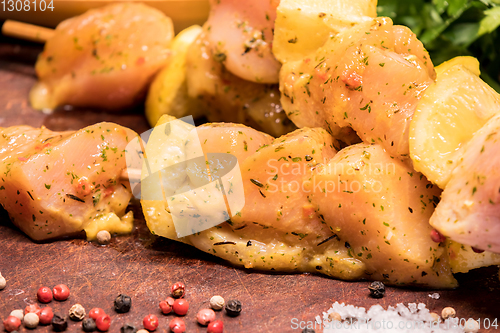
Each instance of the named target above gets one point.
<point>450,28</point>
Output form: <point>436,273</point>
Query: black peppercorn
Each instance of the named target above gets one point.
<point>59,323</point>
<point>233,307</point>
<point>123,303</point>
<point>377,289</point>
<point>89,325</point>
<point>127,328</point>
<point>308,330</point>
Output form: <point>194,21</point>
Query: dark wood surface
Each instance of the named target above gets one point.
<point>143,266</point>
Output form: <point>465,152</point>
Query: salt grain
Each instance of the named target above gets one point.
<point>414,318</point>
<point>434,295</point>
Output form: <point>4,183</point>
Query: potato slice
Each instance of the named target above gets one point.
<point>168,92</point>
<point>302,26</point>
<point>450,111</point>
<point>462,258</point>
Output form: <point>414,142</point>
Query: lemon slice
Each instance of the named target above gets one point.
<point>302,26</point>
<point>168,92</point>
<point>450,111</point>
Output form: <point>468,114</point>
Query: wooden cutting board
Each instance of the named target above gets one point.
<point>143,266</point>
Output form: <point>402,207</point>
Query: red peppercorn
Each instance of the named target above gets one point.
<point>150,322</point>
<point>437,237</point>
<point>61,292</point>
<point>476,250</point>
<point>96,312</point>
<point>215,327</point>
<point>205,316</point>
<point>177,325</point>
<point>166,305</point>
<point>180,306</point>
<point>103,322</point>
<point>46,316</point>
<point>44,295</point>
<point>32,308</point>
<point>178,289</point>
<point>11,323</point>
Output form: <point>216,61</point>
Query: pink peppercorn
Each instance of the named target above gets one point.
<point>46,316</point>
<point>150,322</point>
<point>178,289</point>
<point>205,316</point>
<point>180,306</point>
<point>61,292</point>
<point>177,325</point>
<point>95,313</point>
<point>215,327</point>
<point>44,295</point>
<point>32,308</point>
<point>476,250</point>
<point>166,305</point>
<point>12,323</point>
<point>103,322</point>
<point>437,237</point>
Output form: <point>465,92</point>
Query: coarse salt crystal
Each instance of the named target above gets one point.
<point>434,295</point>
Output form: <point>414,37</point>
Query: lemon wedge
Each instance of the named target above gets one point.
<point>168,92</point>
<point>450,111</point>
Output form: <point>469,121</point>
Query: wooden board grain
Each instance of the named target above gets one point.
<point>144,266</point>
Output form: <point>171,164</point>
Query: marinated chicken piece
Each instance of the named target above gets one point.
<point>229,98</point>
<point>469,210</point>
<point>240,32</point>
<point>369,78</point>
<point>104,58</point>
<point>57,184</point>
<point>292,222</point>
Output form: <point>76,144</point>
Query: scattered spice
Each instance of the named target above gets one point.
<point>59,323</point>
<point>61,292</point>
<point>18,314</point>
<point>205,316</point>
<point>233,308</point>
<point>11,323</point>
<point>127,328</point>
<point>46,316</point>
<point>177,325</point>
<point>308,330</point>
<point>217,302</point>
<point>180,307</point>
<point>150,322</point>
<point>123,303</point>
<point>377,289</point>
<point>31,320</point>
<point>448,312</point>
<point>103,237</point>
<point>77,312</point>
<point>44,295</point>
<point>88,325</point>
<point>476,250</point>
<point>103,322</point>
<point>178,289</point>
<point>96,312</point>
<point>166,305</point>
<point>215,327</point>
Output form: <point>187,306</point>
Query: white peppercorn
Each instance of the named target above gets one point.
<point>334,316</point>
<point>31,320</point>
<point>18,313</point>
<point>3,283</point>
<point>77,312</point>
<point>471,326</point>
<point>217,302</point>
<point>448,312</point>
<point>103,237</point>
<point>142,331</point>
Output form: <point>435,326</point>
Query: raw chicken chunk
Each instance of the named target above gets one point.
<point>57,184</point>
<point>290,222</point>
<point>104,58</point>
<point>369,78</point>
<point>469,210</point>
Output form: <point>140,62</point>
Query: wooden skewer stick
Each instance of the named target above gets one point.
<point>27,31</point>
